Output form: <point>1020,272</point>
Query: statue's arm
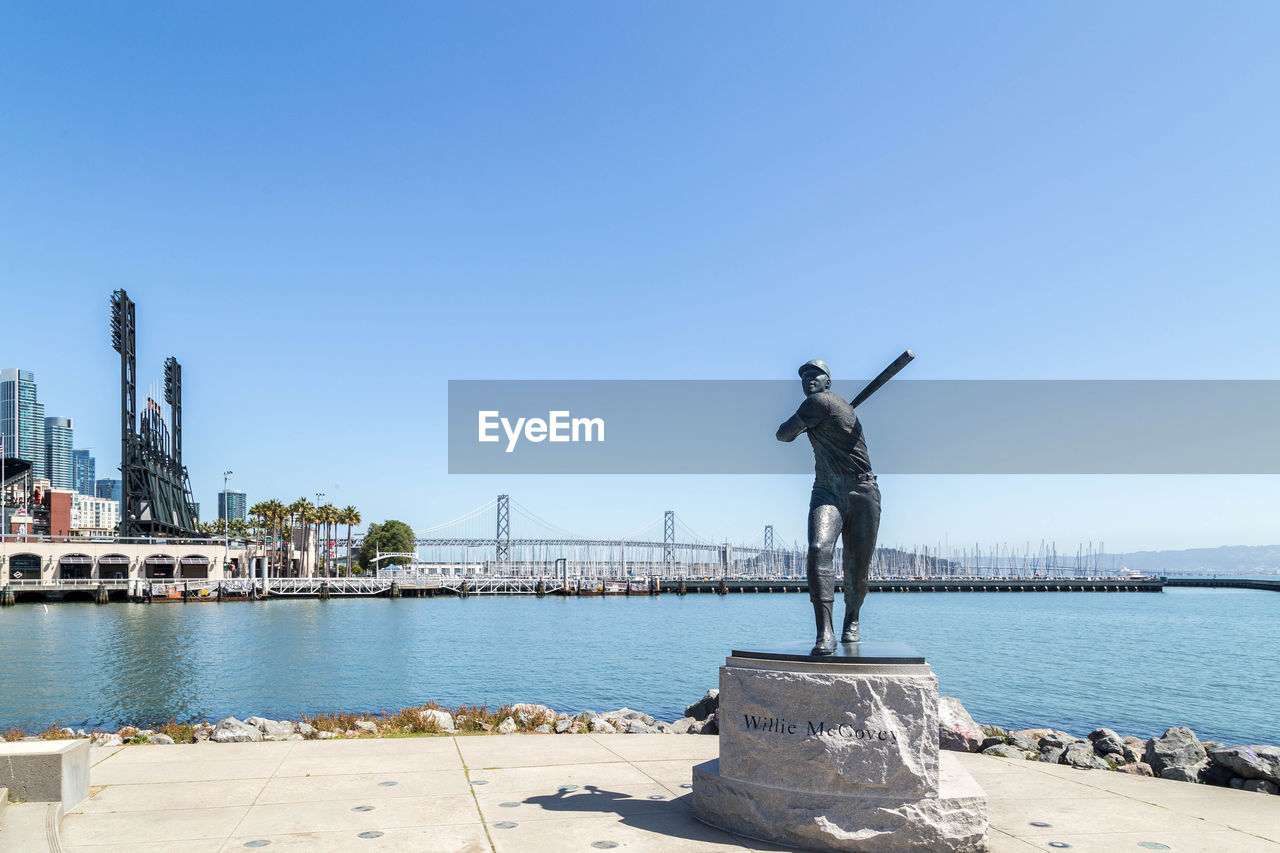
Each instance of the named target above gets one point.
<point>792,428</point>
<point>811,413</point>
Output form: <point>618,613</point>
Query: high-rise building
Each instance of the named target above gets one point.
<point>22,419</point>
<point>85,471</point>
<point>232,505</point>
<point>108,488</point>
<point>58,439</point>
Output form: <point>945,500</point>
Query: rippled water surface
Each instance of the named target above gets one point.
<point>1134,662</point>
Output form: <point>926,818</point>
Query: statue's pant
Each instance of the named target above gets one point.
<point>847,507</point>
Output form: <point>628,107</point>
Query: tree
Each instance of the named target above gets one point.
<point>328,515</point>
<point>274,512</point>
<point>262,514</point>
<point>391,537</point>
<point>258,513</point>
<point>301,510</point>
<point>349,516</point>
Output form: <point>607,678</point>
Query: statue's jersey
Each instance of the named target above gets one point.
<point>839,449</point>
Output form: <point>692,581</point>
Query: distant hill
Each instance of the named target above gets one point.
<point>1227,559</point>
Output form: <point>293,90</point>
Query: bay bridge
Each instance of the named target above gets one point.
<point>503,538</point>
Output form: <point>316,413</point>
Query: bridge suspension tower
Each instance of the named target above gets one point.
<point>669,536</point>
<point>504,532</point>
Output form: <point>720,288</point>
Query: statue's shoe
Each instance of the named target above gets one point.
<point>850,634</point>
<point>825,645</point>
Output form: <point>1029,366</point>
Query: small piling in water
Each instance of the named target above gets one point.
<point>6,596</point>
<point>395,589</point>
<point>100,594</point>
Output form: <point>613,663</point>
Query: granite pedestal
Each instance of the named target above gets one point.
<point>836,753</point>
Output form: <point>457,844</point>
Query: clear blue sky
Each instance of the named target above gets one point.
<point>327,210</point>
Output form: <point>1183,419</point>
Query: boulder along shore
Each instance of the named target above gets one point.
<point>1177,754</point>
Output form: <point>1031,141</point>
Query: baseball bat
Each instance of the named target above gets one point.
<point>885,375</point>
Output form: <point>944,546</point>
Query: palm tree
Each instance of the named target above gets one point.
<point>274,513</point>
<point>335,517</point>
<point>302,510</point>
<point>261,514</point>
<point>317,517</point>
<point>258,514</point>
<point>349,515</point>
<point>321,519</point>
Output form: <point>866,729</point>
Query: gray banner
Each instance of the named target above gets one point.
<point>912,427</point>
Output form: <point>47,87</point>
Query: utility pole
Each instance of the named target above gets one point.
<point>319,495</point>
<point>226,515</point>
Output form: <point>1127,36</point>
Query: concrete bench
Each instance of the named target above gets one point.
<point>54,771</point>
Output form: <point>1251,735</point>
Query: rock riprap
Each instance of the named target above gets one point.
<point>1176,755</point>
<point>1176,750</point>
<point>956,729</point>
<point>1250,762</point>
<point>231,730</point>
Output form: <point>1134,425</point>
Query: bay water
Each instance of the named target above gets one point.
<point>1134,662</point>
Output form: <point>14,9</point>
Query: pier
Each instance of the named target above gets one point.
<point>1233,583</point>
<point>403,584</point>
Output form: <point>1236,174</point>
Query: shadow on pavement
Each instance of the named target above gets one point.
<point>668,816</point>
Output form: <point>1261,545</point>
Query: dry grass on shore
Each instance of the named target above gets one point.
<point>412,721</point>
<point>404,722</point>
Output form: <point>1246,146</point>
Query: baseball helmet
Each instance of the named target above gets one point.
<point>815,362</point>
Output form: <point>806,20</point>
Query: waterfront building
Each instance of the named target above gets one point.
<point>94,516</point>
<point>22,419</point>
<point>58,440</point>
<point>108,488</point>
<point>58,502</point>
<point>85,470</point>
<point>232,505</point>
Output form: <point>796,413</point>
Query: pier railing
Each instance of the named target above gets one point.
<point>334,586</point>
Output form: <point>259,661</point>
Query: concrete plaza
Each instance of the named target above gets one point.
<point>528,793</point>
